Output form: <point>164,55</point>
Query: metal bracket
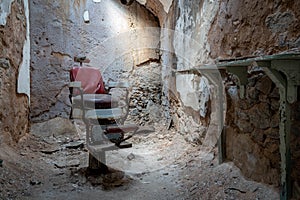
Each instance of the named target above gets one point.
<point>284,126</point>
<point>291,69</point>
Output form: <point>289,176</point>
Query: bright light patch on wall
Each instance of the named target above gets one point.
<point>117,18</point>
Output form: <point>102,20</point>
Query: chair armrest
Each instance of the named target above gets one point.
<point>117,85</point>
<point>75,84</point>
<point>121,85</point>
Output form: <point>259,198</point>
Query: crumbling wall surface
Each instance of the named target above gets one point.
<point>246,28</point>
<point>146,94</point>
<point>252,129</point>
<point>14,107</point>
<point>184,46</point>
<point>209,30</point>
<point>113,36</point>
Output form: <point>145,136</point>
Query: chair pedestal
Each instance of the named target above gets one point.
<point>96,165</point>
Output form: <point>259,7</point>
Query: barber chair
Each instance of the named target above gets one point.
<point>103,113</point>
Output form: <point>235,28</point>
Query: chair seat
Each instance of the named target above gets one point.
<point>95,101</point>
<point>108,114</point>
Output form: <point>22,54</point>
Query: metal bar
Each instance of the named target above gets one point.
<point>242,62</point>
<point>284,132</point>
<point>222,146</point>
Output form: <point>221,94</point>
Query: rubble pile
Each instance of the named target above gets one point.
<point>145,96</point>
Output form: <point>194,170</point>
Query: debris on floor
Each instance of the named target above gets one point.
<point>155,167</point>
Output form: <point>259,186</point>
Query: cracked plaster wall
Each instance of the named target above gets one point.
<point>115,40</point>
<point>184,46</point>
<point>206,30</point>
<point>14,106</point>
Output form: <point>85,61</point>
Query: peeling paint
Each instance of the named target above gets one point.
<point>24,73</point>
<point>143,2</point>
<point>5,9</point>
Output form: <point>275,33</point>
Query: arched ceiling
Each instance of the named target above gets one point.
<point>158,7</point>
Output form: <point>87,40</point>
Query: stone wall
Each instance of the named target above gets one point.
<point>14,107</point>
<point>114,38</point>
<point>252,128</point>
<point>247,28</point>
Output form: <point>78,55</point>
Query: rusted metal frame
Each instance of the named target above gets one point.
<point>241,72</point>
<point>284,126</point>
<point>291,70</point>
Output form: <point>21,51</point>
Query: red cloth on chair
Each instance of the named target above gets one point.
<point>90,78</point>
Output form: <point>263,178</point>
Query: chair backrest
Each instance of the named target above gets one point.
<point>90,78</point>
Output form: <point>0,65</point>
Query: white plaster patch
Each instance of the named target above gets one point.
<point>24,73</point>
<point>191,33</point>
<point>97,1</point>
<point>5,9</point>
<point>86,16</point>
<point>143,2</point>
<point>204,96</point>
<point>167,4</point>
<point>233,92</point>
<point>186,85</point>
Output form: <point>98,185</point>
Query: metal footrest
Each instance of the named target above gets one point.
<point>121,128</point>
<point>124,145</point>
